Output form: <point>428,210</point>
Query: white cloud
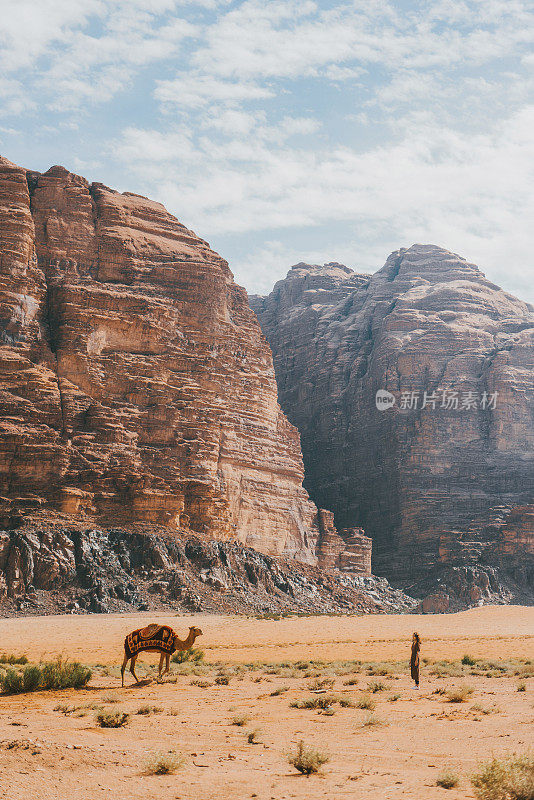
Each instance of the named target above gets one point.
<point>469,193</point>
<point>200,90</point>
<point>254,119</point>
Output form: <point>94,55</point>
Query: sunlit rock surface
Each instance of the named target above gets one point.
<point>135,383</point>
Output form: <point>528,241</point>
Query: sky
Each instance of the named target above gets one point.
<point>292,130</point>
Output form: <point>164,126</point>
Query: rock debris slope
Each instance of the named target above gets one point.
<point>443,483</point>
<point>135,383</point>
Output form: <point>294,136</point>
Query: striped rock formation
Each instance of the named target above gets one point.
<point>438,480</point>
<point>135,383</point>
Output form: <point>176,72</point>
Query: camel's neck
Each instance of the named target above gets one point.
<point>187,643</point>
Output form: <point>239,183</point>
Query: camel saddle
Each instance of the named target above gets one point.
<point>153,637</point>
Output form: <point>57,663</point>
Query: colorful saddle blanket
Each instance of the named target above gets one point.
<point>153,636</point>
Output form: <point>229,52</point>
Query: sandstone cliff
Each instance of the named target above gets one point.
<point>135,383</point>
<point>442,482</point>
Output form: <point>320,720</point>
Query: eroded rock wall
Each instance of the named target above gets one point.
<point>433,484</point>
<point>135,383</point>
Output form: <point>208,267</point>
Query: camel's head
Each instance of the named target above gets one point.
<point>195,631</point>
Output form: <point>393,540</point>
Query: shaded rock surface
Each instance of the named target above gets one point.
<point>135,383</point>
<point>52,569</point>
<point>440,484</point>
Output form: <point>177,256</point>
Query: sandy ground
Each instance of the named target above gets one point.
<point>52,755</point>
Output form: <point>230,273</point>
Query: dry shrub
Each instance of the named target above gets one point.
<point>112,697</point>
<point>315,702</point>
<point>509,778</point>
<point>112,719</point>
<point>459,694</point>
<point>147,710</point>
<point>319,684</point>
<point>164,763</point>
<point>307,760</point>
<point>448,778</point>
<point>240,720</point>
<point>366,702</point>
<point>376,686</point>
<point>370,721</point>
<point>222,680</point>
<point>279,691</point>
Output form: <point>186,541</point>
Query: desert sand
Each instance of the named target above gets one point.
<point>52,748</point>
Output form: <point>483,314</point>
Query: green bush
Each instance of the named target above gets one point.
<point>52,675</point>
<point>64,675</point>
<point>468,661</point>
<point>11,659</point>
<point>31,678</point>
<point>12,682</point>
<point>193,654</point>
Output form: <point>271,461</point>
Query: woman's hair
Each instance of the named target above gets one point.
<point>417,637</point>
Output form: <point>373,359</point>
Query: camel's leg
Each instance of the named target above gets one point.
<point>161,657</point>
<point>167,657</point>
<point>132,667</point>
<point>126,659</point>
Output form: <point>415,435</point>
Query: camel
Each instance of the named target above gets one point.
<point>155,638</point>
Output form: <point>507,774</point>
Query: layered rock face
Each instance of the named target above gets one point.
<point>135,383</point>
<point>441,472</point>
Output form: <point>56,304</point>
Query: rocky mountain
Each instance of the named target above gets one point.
<point>135,383</point>
<point>413,392</point>
<point>52,568</point>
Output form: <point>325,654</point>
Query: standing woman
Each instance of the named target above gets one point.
<point>414,660</point>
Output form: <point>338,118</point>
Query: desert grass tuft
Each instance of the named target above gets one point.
<point>366,702</point>
<point>194,654</point>
<point>376,686</point>
<point>147,710</point>
<point>508,778</point>
<point>240,720</point>
<point>459,694</point>
<point>112,719</point>
<point>111,697</point>
<point>307,760</point>
<point>12,659</point>
<point>315,702</point>
<point>371,721</point>
<point>164,763</point>
<point>321,684</point>
<point>447,779</point>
